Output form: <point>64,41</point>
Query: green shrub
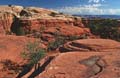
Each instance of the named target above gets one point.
<point>33,53</point>
<point>53,14</point>
<point>60,40</point>
<point>20,31</point>
<point>105,28</point>
<point>53,45</point>
<point>74,37</point>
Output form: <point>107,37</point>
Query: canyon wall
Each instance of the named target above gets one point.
<point>32,19</point>
<point>6,19</point>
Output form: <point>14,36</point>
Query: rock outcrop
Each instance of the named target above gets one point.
<point>78,58</point>
<point>83,65</point>
<point>6,19</point>
<point>11,48</point>
<point>31,19</point>
<point>101,45</point>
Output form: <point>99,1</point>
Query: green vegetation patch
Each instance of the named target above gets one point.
<point>33,53</point>
<point>105,28</point>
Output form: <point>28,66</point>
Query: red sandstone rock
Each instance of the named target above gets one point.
<point>11,48</point>
<point>80,64</point>
<point>102,62</point>
<point>35,19</point>
<point>51,26</point>
<point>102,45</point>
<point>68,30</point>
<point>35,24</point>
<point>83,65</point>
<point>7,14</point>
<point>6,19</point>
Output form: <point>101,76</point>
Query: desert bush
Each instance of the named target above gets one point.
<point>20,31</point>
<point>74,37</point>
<point>53,45</point>
<point>53,14</point>
<point>60,40</point>
<point>33,53</point>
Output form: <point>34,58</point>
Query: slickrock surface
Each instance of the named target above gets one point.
<point>81,58</point>
<point>11,48</point>
<point>83,65</point>
<point>102,45</point>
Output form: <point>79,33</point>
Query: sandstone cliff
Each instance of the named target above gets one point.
<point>72,54</point>
<point>30,19</point>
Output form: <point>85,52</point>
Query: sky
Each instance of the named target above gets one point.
<point>82,7</point>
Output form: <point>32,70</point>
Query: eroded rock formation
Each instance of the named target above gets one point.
<point>83,65</point>
<point>11,48</point>
<point>6,19</point>
<point>31,19</point>
<point>102,45</point>
<point>81,58</point>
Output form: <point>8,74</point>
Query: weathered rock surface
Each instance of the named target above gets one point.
<point>85,58</point>
<point>65,31</point>
<point>103,62</point>
<point>6,19</point>
<point>83,65</point>
<point>100,60</point>
<point>31,19</point>
<point>11,48</point>
<point>101,45</point>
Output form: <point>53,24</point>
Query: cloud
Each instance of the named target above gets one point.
<point>91,9</point>
<point>95,1</point>
<point>114,11</point>
<point>92,5</point>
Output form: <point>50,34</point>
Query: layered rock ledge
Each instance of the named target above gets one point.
<point>101,45</point>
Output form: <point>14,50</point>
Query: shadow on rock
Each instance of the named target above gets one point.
<point>26,69</point>
<point>41,68</point>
